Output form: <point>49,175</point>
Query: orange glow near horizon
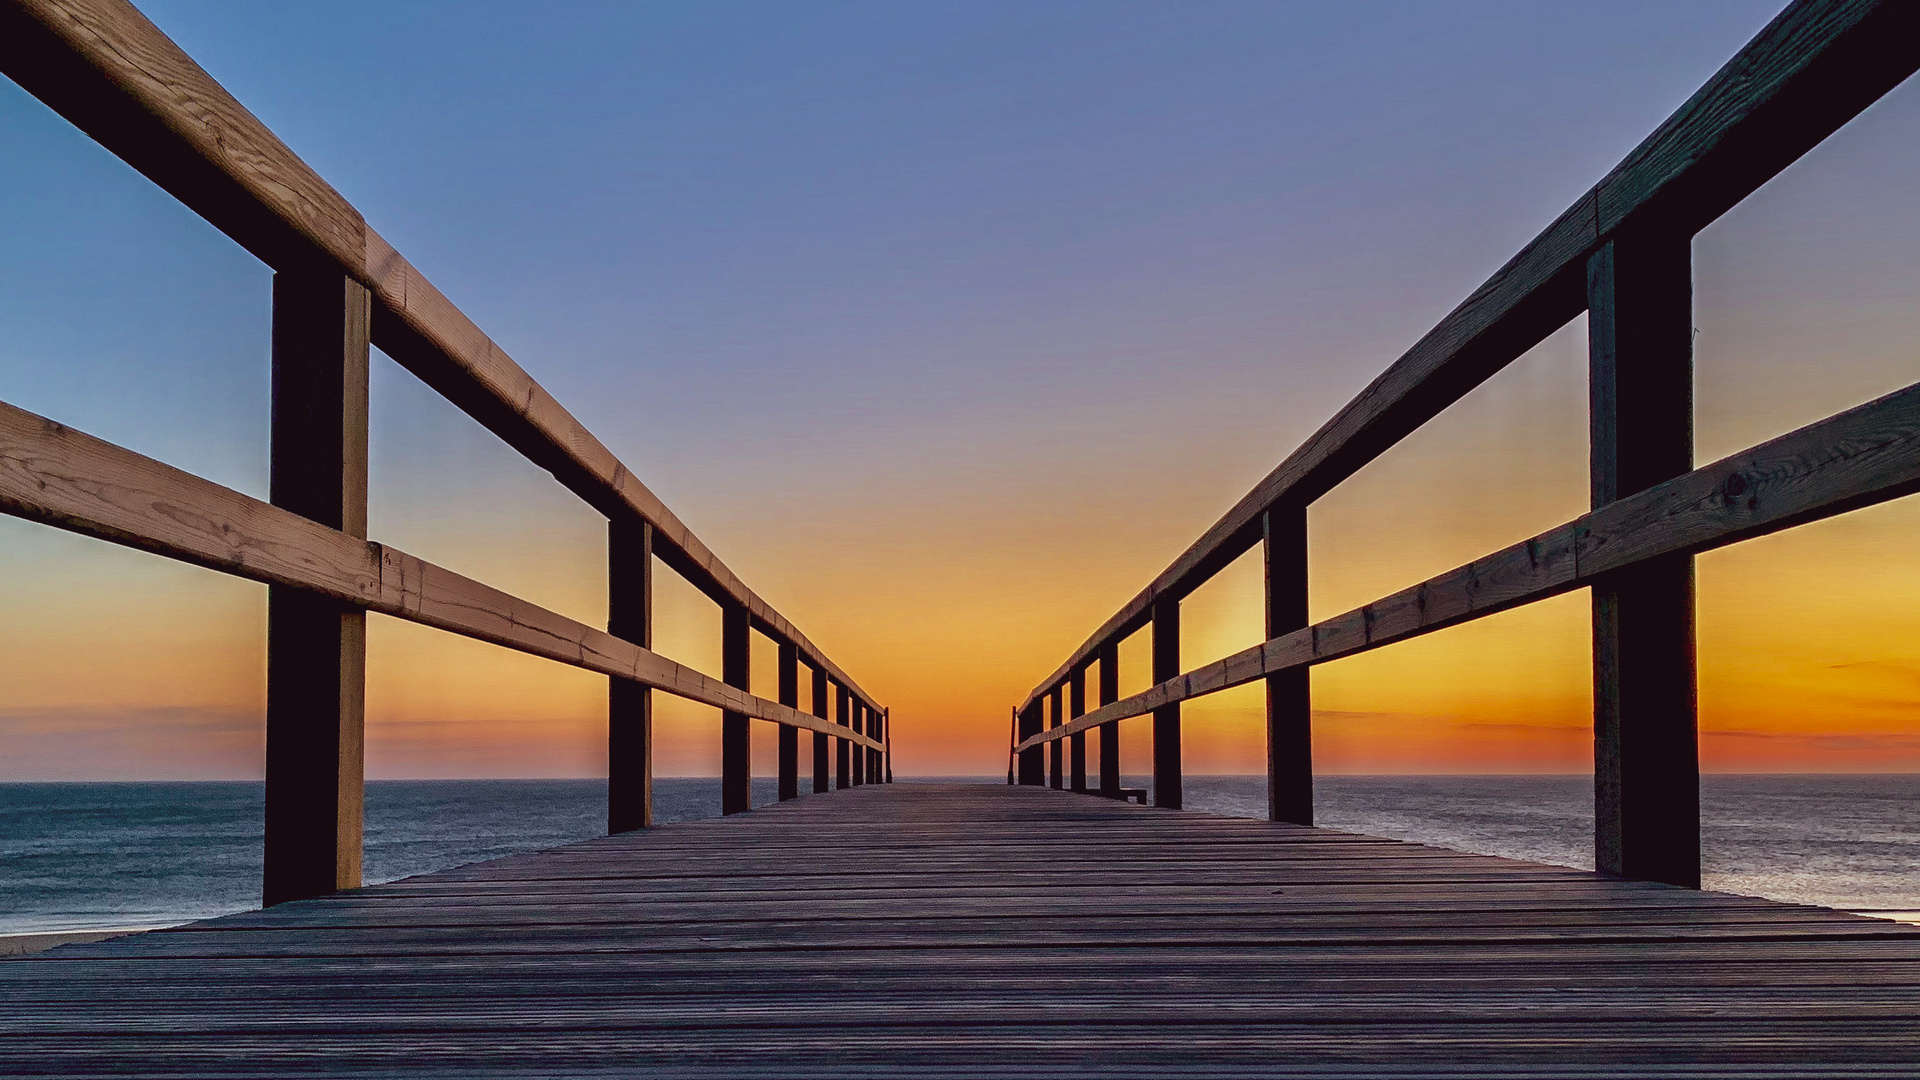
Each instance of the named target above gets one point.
<point>949,490</point>
<point>1803,668</point>
<point>136,666</point>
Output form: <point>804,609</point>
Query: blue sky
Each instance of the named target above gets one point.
<point>946,324</point>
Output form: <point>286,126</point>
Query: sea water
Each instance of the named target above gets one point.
<point>1844,841</point>
<point>87,856</point>
<point>77,856</point>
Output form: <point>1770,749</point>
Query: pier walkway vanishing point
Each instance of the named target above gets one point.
<point>964,931</point>
<point>865,928</point>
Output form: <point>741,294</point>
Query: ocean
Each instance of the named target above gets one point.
<point>91,856</point>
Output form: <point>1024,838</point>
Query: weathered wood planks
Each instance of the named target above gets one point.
<point>985,931</point>
<point>54,474</point>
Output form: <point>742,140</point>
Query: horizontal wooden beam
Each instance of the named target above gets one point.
<point>114,75</point>
<point>53,474</point>
<point>1816,66</point>
<point>1863,456</point>
<point>419,327</point>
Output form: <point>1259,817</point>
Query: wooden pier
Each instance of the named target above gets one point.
<point>862,928</point>
<point>951,930</point>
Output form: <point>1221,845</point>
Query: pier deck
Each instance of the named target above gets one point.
<point>982,930</point>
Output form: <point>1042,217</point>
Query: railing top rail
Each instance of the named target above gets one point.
<point>109,71</point>
<point>1813,68</point>
<point>1865,455</point>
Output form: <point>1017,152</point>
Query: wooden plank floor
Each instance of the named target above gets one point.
<point>949,930</point>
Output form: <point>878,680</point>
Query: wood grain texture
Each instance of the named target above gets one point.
<point>1866,455</point>
<point>114,75</point>
<point>1811,70</point>
<point>53,474</point>
<point>419,327</point>
<point>977,931</point>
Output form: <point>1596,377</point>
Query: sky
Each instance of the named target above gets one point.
<point>948,326</point>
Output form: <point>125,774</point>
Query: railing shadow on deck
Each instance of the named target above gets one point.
<point>339,289</point>
<point>1621,254</point>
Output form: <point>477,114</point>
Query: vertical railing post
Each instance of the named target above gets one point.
<point>1032,760</point>
<point>1646,759</point>
<point>858,753</point>
<point>1110,731</point>
<point>1054,720</point>
<point>843,716</point>
<point>629,704</point>
<point>736,733</point>
<point>1290,692</point>
<point>1077,742</point>
<point>822,781</point>
<point>316,647</point>
<point>886,740</point>
<point>1013,739</point>
<point>1166,718</point>
<point>789,736</point>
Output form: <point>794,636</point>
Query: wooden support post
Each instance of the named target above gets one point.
<point>1166,719</point>
<point>1032,763</point>
<point>316,647</point>
<point>1110,731</point>
<point>789,736</point>
<point>1077,742</point>
<point>1012,740</point>
<point>629,704</point>
<point>736,734</point>
<point>1054,720</point>
<point>857,753</point>
<point>1646,761</point>
<point>1289,693</point>
<point>843,710</point>
<point>886,740</point>
<point>822,742</point>
<point>872,756</point>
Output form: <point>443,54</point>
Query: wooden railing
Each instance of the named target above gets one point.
<point>1622,254</point>
<point>338,289</point>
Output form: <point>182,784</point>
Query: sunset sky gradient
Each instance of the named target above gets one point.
<point>948,326</point>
